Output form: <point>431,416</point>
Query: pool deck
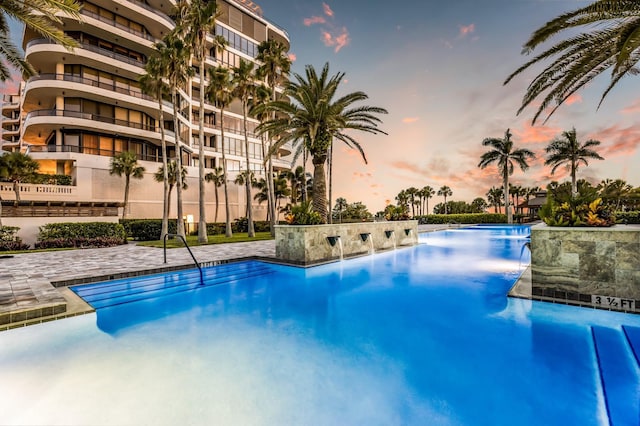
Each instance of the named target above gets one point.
<point>33,286</point>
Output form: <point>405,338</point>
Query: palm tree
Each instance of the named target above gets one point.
<point>403,199</point>
<point>197,19</point>
<point>126,163</point>
<point>177,59</point>
<point>217,176</point>
<point>341,205</point>
<point>504,155</point>
<point>412,192</point>
<point>610,40</point>
<point>427,192</point>
<point>243,81</point>
<point>445,192</point>
<point>314,118</point>
<point>172,179</point>
<point>241,180</point>
<point>152,82</point>
<point>614,190</point>
<point>42,16</point>
<point>275,70</point>
<point>17,168</point>
<point>219,92</point>
<point>566,150</point>
<point>494,196</point>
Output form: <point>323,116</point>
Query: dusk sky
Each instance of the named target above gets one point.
<point>438,68</point>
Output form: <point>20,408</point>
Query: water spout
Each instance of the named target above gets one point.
<point>332,240</point>
<point>407,232</point>
<point>524,246</point>
<point>365,236</point>
<point>389,234</point>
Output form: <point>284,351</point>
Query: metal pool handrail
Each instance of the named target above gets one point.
<point>190,252</point>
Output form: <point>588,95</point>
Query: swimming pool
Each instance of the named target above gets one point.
<point>422,335</point>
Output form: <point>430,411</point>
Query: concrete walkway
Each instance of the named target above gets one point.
<point>33,285</point>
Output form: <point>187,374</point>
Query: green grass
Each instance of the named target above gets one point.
<point>239,237</point>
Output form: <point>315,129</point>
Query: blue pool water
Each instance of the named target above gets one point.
<point>419,336</point>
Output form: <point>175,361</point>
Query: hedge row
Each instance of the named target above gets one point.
<point>150,229</point>
<point>88,234</point>
<point>628,217</point>
<point>466,218</point>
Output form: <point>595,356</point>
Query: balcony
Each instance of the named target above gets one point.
<point>91,48</point>
<point>93,83</point>
<point>92,117</point>
<point>118,25</point>
<point>168,21</point>
<point>34,149</point>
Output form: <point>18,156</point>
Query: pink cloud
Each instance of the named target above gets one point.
<point>617,141</point>
<point>314,20</point>
<point>466,30</point>
<point>535,134</point>
<point>327,9</point>
<point>634,108</point>
<point>573,99</point>
<point>292,57</point>
<point>338,41</point>
<point>410,119</point>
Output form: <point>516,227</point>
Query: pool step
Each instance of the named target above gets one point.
<point>111,293</point>
<point>620,375</point>
<point>633,336</point>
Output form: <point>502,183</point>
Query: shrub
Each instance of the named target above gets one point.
<point>9,241</point>
<point>89,234</point>
<point>303,214</point>
<point>577,211</point>
<point>392,212</point>
<point>466,218</point>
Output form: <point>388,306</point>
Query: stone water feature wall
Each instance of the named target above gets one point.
<point>311,244</point>
<point>598,267</point>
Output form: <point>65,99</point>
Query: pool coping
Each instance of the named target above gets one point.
<point>522,289</point>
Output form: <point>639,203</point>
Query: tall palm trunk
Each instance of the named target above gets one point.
<point>271,194</point>
<point>16,189</point>
<point>574,182</point>
<point>319,185</point>
<point>217,202</point>
<point>227,231</point>
<point>330,180</point>
<point>202,220</point>
<point>304,175</point>
<point>247,184</point>
<point>505,188</point>
<point>176,125</point>
<point>127,180</point>
<point>165,173</point>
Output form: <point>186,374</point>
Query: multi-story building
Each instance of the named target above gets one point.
<point>11,121</point>
<point>86,105</point>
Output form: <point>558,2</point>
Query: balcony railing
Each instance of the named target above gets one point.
<point>31,188</point>
<point>93,83</point>
<point>226,129</point>
<point>90,151</point>
<point>92,117</point>
<point>116,24</point>
<point>151,9</point>
<point>95,49</point>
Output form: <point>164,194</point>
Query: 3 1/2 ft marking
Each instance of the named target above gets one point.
<point>613,302</point>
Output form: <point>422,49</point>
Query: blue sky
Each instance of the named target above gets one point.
<point>438,68</point>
